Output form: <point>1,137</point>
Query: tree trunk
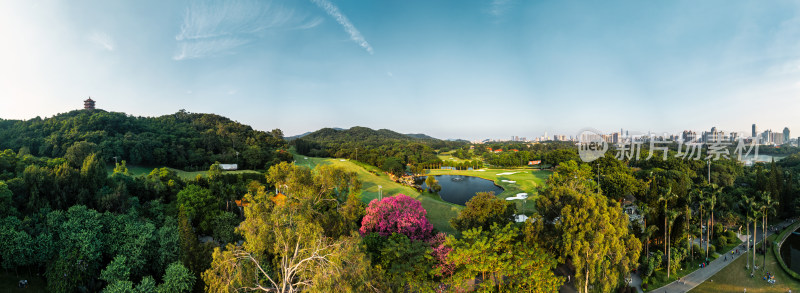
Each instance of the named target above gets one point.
<point>708,230</point>
<point>701,228</point>
<point>764,240</point>
<point>747,224</point>
<point>755,232</point>
<point>669,255</point>
<point>586,284</point>
<point>711,227</point>
<point>647,242</point>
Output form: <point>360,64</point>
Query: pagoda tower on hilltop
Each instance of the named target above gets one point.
<point>88,104</point>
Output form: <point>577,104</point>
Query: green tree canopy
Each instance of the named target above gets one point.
<point>483,210</point>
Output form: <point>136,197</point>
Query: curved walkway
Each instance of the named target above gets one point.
<point>699,276</point>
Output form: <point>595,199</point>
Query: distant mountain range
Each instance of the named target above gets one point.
<point>360,133</point>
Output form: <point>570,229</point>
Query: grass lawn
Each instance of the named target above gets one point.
<point>439,211</point>
<point>9,281</point>
<point>447,157</point>
<point>527,181</point>
<point>735,277</point>
<point>144,170</point>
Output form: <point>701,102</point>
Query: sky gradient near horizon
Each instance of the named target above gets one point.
<point>449,69</point>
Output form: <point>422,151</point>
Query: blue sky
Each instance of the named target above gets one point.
<point>450,69</point>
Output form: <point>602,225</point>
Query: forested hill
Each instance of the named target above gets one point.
<point>182,140</point>
<point>363,135</point>
<point>383,148</point>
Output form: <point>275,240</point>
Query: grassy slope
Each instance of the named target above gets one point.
<point>734,277</point>
<point>439,212</point>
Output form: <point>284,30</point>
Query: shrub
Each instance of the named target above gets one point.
<point>731,235</point>
<point>722,240</point>
<point>711,248</point>
<point>696,248</point>
<point>718,229</point>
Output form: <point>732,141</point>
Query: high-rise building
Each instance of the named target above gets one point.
<point>689,136</point>
<point>785,134</point>
<point>754,130</point>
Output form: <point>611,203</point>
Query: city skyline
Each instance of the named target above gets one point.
<point>495,69</point>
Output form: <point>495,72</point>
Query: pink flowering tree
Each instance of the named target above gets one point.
<point>443,267</point>
<point>397,214</point>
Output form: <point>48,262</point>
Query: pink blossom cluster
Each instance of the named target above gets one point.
<point>397,214</point>
<point>439,253</point>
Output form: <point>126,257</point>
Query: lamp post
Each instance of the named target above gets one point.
<point>380,192</point>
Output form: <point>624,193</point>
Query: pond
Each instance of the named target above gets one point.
<point>459,189</point>
<point>790,251</point>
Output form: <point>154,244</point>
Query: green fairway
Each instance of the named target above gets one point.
<point>143,171</point>
<point>439,211</point>
<point>527,181</point>
<point>735,278</point>
<point>445,156</point>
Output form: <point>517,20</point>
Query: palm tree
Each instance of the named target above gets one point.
<point>666,197</point>
<point>712,200</point>
<point>671,216</point>
<point>645,210</point>
<point>756,215</point>
<point>768,206</point>
<point>701,200</point>
<point>747,202</point>
<point>688,215</point>
<point>649,233</point>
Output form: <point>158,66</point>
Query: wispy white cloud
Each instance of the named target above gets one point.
<point>102,40</point>
<point>334,12</point>
<point>499,7</point>
<point>217,28</point>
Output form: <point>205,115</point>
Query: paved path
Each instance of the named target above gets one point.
<point>701,275</point>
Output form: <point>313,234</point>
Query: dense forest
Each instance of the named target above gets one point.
<point>189,141</point>
<point>382,148</point>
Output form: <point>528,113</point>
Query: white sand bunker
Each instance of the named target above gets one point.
<point>506,173</point>
<point>520,218</point>
<point>508,181</point>
<point>518,196</point>
<point>481,170</point>
<point>305,158</point>
<point>342,160</point>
